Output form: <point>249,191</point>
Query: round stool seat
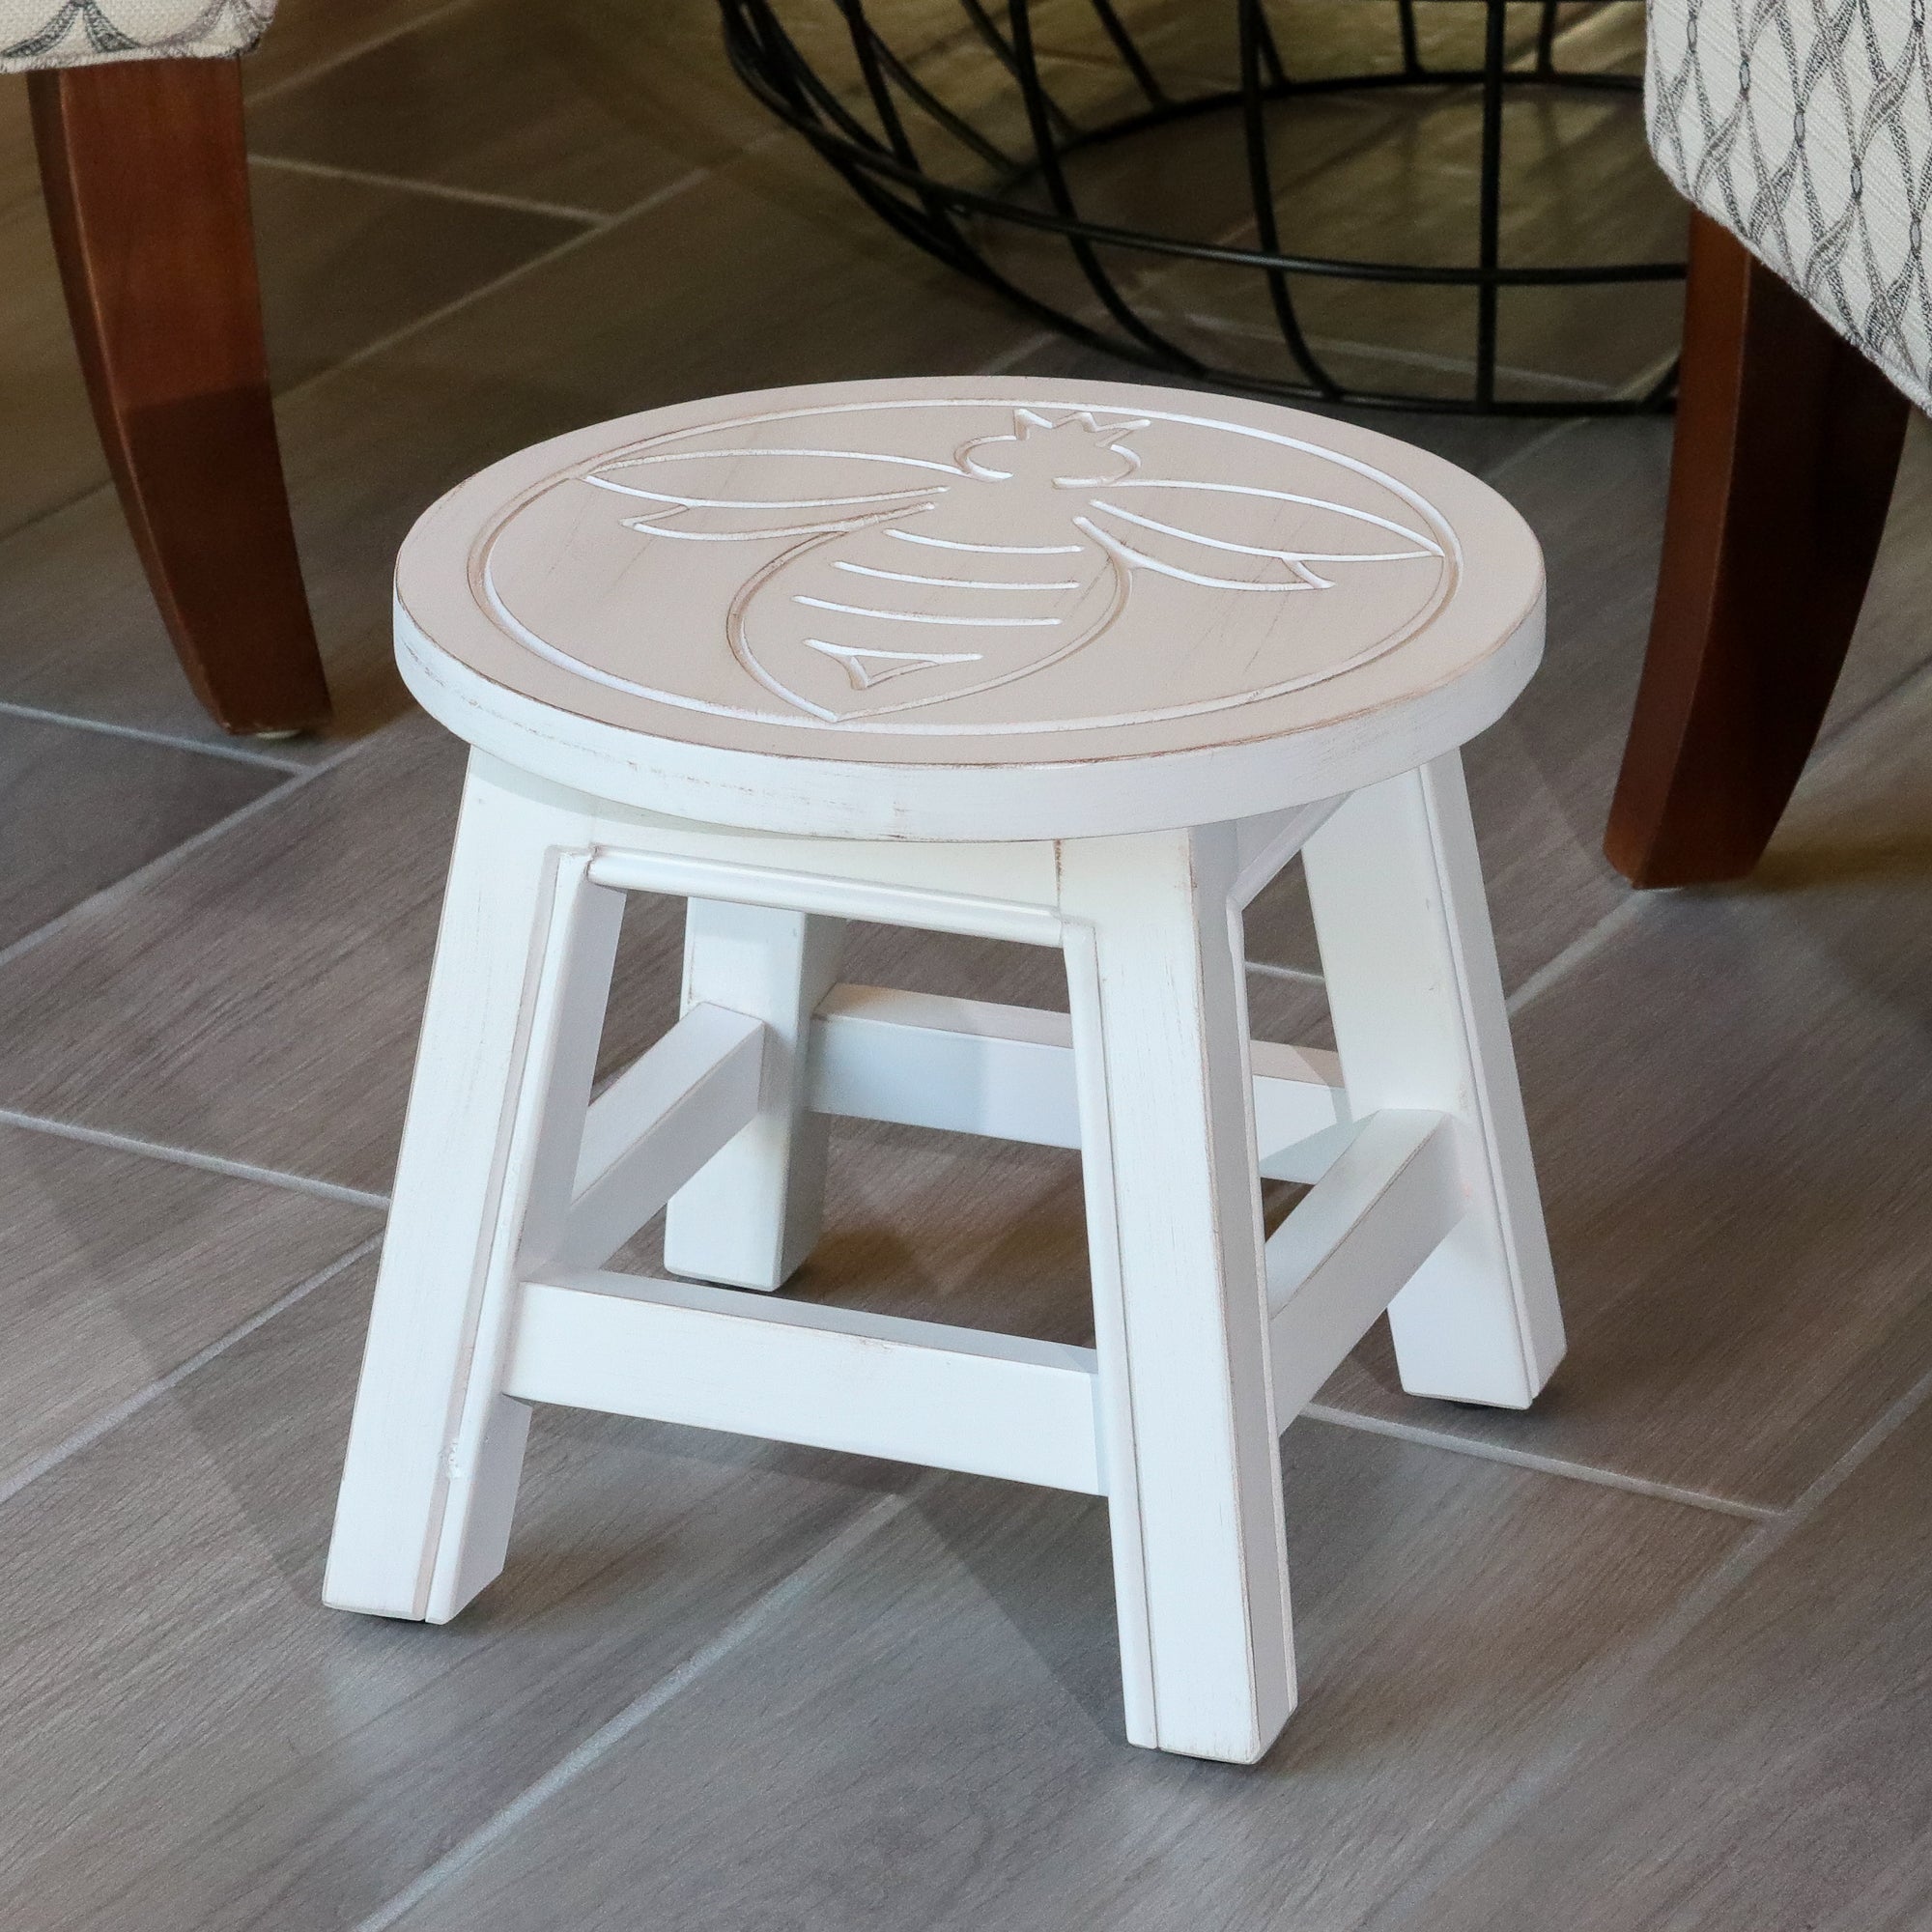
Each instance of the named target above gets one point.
<point>969,609</point>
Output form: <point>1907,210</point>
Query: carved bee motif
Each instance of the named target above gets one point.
<point>905,581</point>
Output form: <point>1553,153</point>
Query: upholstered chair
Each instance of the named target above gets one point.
<point>137,118</point>
<point>1801,133</point>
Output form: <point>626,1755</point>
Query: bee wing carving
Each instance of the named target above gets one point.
<point>1236,536</point>
<point>736,495</point>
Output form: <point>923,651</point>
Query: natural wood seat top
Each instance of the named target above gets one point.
<point>970,608</point>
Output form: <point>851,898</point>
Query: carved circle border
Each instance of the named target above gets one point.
<point>483,588</point>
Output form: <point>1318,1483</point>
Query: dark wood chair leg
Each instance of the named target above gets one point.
<point>1787,446</point>
<point>147,187</point>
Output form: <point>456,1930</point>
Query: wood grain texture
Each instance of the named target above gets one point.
<point>949,1715</point>
<point>148,198</point>
<point>65,827</point>
<point>1732,1153</point>
<point>815,291</point>
<point>1204,41</point>
<point>592,106</point>
<point>341,263</point>
<point>1575,163</point>
<point>1787,444</point>
<point>115,1268</point>
<point>42,398</point>
<point>1416,161</point>
<point>1768,1774</point>
<point>311,35</point>
<point>316,894</point>
<point>194,1743</point>
<point>19,177</point>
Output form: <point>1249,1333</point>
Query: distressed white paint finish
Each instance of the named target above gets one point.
<point>1174,1228</point>
<point>658,1123</point>
<point>1365,1228</point>
<point>1265,844</point>
<point>837,1378</point>
<point>1083,671</point>
<point>936,906</point>
<point>488,1152</point>
<point>750,1214</point>
<point>1417,1004</point>
<point>925,1060</point>
<point>1150,1074</point>
<point>947,609</point>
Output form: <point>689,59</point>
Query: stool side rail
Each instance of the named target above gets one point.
<point>923,1059</point>
<point>932,908</point>
<point>798,1371</point>
<point>915,1060</point>
<point>657,1124</point>
<point>1353,1243</point>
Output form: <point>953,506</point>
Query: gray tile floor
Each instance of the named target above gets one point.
<point>1655,1655</point>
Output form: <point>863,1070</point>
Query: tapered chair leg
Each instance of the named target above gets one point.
<point>489,1156</point>
<point>1174,1229</point>
<point>1787,444</point>
<point>1417,1004</point>
<point>146,178</point>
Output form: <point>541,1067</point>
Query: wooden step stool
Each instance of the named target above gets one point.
<point>1081,665</point>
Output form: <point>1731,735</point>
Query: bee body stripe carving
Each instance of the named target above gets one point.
<point>846,621</point>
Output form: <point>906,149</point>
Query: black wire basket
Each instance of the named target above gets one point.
<point>1150,181</point>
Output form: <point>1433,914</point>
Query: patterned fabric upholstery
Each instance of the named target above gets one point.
<point>1805,127</point>
<point>79,33</point>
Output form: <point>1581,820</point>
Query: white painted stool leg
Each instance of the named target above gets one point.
<point>503,1081</point>
<point>751,1214</point>
<point>1189,1443</point>
<point>1417,1003</point>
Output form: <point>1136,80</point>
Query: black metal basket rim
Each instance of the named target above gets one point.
<point>876,160</point>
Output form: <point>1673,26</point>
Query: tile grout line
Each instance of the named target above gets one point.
<point>1719,1583</point>
<point>1546,1465</point>
<point>1590,940</point>
<point>998,366</point>
<point>1537,443</point>
<point>40,715</point>
<point>158,865</point>
<point>112,1419</point>
<point>327,66</point>
<point>1410,359</point>
<point>1647,378</point>
<point>556,210</point>
<point>204,1163</point>
<point>774,1602</point>
<point>603,225</point>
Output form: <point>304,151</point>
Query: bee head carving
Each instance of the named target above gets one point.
<point>1075,453</point>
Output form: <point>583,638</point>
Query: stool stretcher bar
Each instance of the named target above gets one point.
<point>915,1059</point>
<point>1351,1245</point>
<point>926,1060</point>
<point>657,1124</point>
<point>959,1398</point>
<point>833,1377</point>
